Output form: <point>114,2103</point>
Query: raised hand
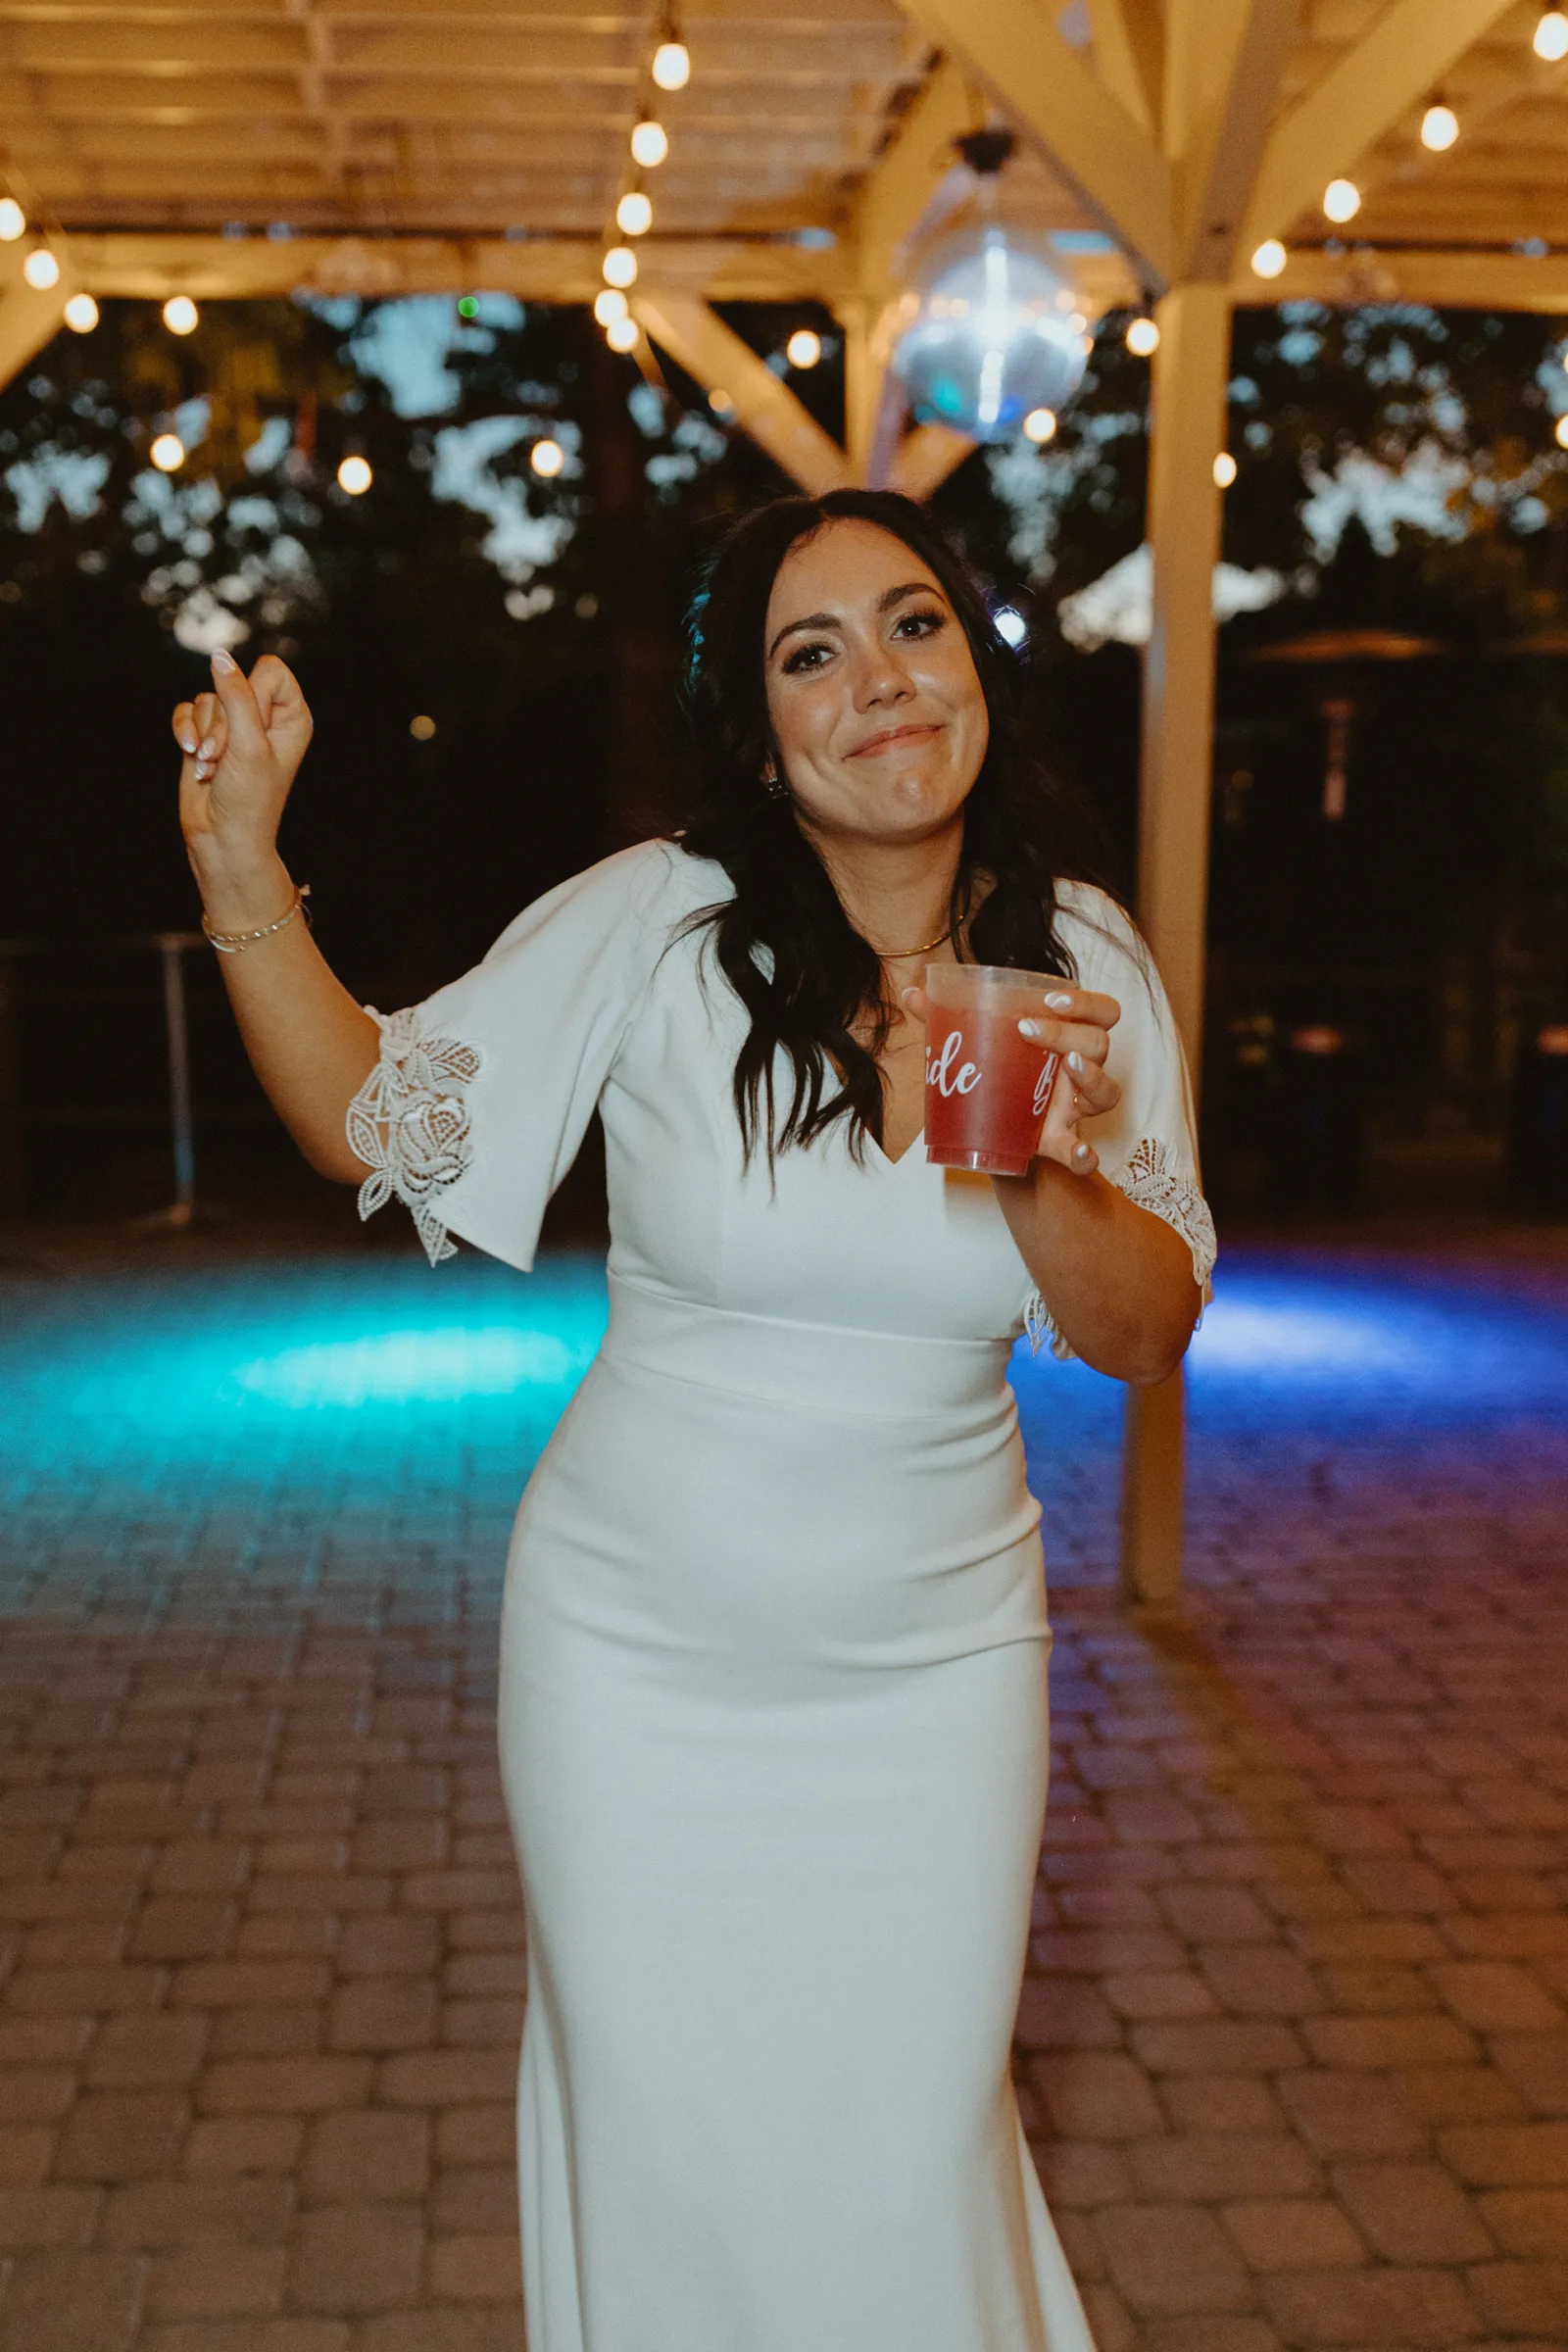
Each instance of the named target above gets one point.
<point>242,746</point>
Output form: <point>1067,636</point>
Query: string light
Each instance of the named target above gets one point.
<point>41,270</point>
<point>621,334</point>
<point>1560,432</point>
<point>1440,127</point>
<point>422,728</point>
<point>1342,199</point>
<point>634,214</point>
<point>610,304</point>
<point>1550,41</point>
<point>82,313</point>
<point>1224,469</point>
<point>673,66</point>
<point>621,266</point>
<point>803,348</point>
<point>168,452</point>
<point>650,144</point>
<point>1041,426</point>
<point>180,314</point>
<point>720,402</point>
<point>1142,338</point>
<point>13,221</point>
<point>355,477</point>
<point>547,458</point>
<point>1269,259</point>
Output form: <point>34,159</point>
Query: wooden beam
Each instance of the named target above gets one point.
<point>1410,45</point>
<point>1128,39</point>
<point>151,267</point>
<point>1118,173</point>
<point>1189,376</point>
<point>1457,281</point>
<point>924,459</point>
<point>715,356</point>
<point>1230,56</point>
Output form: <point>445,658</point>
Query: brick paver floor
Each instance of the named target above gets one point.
<point>1294,2041</point>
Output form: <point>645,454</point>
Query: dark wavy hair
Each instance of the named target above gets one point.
<point>786,945</point>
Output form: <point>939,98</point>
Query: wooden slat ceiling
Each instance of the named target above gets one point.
<point>415,116</point>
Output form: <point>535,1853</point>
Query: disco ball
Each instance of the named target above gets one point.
<point>993,334</point>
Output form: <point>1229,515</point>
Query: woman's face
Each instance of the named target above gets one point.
<point>872,693</point>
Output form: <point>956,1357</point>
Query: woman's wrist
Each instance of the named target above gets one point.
<point>241,892</point>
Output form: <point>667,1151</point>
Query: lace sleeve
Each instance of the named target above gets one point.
<point>409,1123</point>
<point>1151,1180</point>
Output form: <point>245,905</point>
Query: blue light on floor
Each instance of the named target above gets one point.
<point>431,1365</point>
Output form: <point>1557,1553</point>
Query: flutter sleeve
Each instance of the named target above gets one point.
<point>479,1101</point>
<point>1147,1146</point>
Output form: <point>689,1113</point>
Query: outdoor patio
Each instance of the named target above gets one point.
<point>1293,2043</point>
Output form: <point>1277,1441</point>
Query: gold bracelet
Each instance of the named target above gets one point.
<point>232,942</point>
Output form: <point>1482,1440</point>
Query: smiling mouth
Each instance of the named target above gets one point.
<point>893,738</point>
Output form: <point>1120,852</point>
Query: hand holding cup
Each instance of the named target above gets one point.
<point>1068,1029</point>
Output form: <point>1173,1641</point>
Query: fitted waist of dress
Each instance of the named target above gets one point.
<point>826,1366</point>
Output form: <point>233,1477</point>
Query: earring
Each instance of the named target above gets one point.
<point>773,784</point>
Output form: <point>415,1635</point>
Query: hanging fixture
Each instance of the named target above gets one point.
<point>82,313</point>
<point>41,270</point>
<point>180,314</point>
<point>13,221</point>
<point>1269,259</point>
<point>1342,199</point>
<point>990,334</point>
<point>354,475</point>
<point>1440,127</point>
<point>1550,38</point>
<point>672,68</point>
<point>1142,338</point>
<point>621,266</point>
<point>803,348</point>
<point>610,304</point>
<point>168,452</point>
<point>634,214</point>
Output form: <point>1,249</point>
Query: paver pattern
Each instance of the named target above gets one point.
<point>1293,2040</point>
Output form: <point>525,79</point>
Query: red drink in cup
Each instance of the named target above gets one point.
<point>986,1087</point>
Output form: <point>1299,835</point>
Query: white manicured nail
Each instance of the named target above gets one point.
<point>222,661</point>
<point>1034,1029</point>
<point>1058,1001</point>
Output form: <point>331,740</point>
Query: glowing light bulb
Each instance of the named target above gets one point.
<point>673,66</point>
<point>803,348</point>
<point>41,270</point>
<point>650,144</point>
<point>1342,199</point>
<point>1551,40</point>
<point>634,214</point>
<point>547,458</point>
<point>621,334</point>
<point>610,304</point>
<point>13,219</point>
<point>1143,337</point>
<point>720,402</point>
<point>168,452</point>
<point>422,728</point>
<point>1041,424</point>
<point>1440,127</point>
<point>1560,432</point>
<point>1224,469</point>
<point>82,313</point>
<point>621,266</point>
<point>355,477</point>
<point>180,314</point>
<point>1269,259</point>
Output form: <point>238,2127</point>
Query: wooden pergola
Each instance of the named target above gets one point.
<point>259,147</point>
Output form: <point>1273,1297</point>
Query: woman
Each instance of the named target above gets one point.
<point>773,1713</point>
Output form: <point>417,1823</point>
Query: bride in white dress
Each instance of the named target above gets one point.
<point>773,1694</point>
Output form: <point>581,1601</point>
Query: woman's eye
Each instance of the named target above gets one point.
<point>921,624</point>
<point>805,657</point>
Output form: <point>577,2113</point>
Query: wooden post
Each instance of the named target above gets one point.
<point>1190,375</point>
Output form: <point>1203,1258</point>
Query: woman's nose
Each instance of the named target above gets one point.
<point>882,678</point>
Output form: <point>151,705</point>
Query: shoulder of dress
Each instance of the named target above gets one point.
<point>1095,927</point>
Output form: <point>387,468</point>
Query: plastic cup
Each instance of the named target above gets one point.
<point>986,1088</point>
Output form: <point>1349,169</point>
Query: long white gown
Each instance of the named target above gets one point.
<point>773,1700</point>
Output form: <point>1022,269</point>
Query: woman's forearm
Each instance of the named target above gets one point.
<point>1119,1280</point>
<point>309,1043</point>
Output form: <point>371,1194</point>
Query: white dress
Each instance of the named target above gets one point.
<point>773,1705</point>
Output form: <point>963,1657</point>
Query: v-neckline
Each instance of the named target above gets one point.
<point>888,1161</point>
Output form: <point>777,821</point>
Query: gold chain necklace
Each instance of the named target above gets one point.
<point>897,955</point>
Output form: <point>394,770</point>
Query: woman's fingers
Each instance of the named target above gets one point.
<point>183,723</point>
<point>1093,1088</point>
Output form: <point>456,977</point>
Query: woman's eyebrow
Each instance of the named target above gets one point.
<point>832,621</point>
